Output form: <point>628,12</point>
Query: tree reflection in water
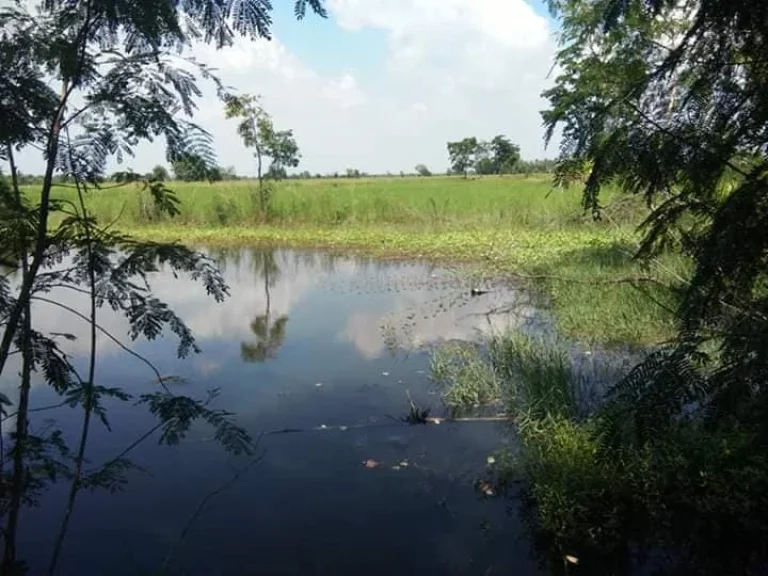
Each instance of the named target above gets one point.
<point>269,332</point>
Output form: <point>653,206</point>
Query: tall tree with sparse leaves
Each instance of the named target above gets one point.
<point>83,83</point>
<point>257,130</point>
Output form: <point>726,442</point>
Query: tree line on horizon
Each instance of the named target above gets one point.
<point>193,171</point>
<point>498,156</point>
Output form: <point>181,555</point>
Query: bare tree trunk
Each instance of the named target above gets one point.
<point>18,480</point>
<point>88,401</point>
<point>41,243</point>
<point>262,192</point>
<point>266,285</point>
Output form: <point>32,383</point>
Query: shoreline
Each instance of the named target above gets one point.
<point>580,266</point>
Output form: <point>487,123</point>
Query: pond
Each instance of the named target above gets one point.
<point>319,354</point>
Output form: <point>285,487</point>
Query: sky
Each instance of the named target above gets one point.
<point>383,85</point>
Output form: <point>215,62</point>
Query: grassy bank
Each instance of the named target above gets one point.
<point>617,484</point>
<point>511,225</point>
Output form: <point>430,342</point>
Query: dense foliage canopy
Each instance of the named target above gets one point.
<point>670,100</point>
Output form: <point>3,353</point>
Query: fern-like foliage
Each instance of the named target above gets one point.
<point>671,102</point>
<point>177,413</point>
<point>300,9</point>
<point>653,397</point>
<point>52,361</point>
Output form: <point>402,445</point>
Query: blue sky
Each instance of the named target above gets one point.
<point>382,85</point>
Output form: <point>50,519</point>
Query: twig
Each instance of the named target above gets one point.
<point>41,409</point>
<point>130,447</point>
<point>110,336</point>
<point>203,503</point>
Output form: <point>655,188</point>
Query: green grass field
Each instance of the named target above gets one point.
<point>490,201</point>
<point>512,225</point>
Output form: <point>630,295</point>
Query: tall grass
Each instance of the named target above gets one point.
<point>598,502</point>
<point>509,200</point>
<point>530,377</point>
<point>537,378</point>
<point>465,377</point>
<point>556,458</point>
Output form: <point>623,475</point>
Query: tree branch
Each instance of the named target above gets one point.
<point>108,335</point>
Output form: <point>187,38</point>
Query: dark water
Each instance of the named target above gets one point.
<point>306,341</point>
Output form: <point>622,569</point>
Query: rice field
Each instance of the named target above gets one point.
<point>511,200</point>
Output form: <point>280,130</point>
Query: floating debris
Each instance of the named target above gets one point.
<point>385,373</point>
<point>435,421</point>
<point>370,463</point>
<point>343,428</point>
<point>491,460</point>
<point>571,559</point>
<point>403,464</point>
<point>395,467</point>
<point>485,488</point>
<point>319,385</point>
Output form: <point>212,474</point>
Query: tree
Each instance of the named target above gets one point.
<point>229,173</point>
<point>422,170</point>
<point>159,173</point>
<point>190,168</point>
<point>483,160</point>
<point>84,82</point>
<point>505,155</point>
<point>214,174</point>
<point>668,100</point>
<point>535,166</point>
<point>499,156</point>
<point>462,155</point>
<point>257,130</point>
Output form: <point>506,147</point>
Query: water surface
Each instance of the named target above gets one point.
<point>319,353</point>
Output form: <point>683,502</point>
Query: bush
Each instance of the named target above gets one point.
<point>647,479</point>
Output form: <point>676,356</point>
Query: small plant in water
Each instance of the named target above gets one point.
<point>416,414</point>
<point>465,376</point>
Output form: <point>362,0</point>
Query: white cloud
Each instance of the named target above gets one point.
<point>345,92</point>
<point>417,320</point>
<point>453,68</point>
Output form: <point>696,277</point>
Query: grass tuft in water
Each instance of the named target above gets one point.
<point>537,378</point>
<point>465,376</point>
<point>531,377</point>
